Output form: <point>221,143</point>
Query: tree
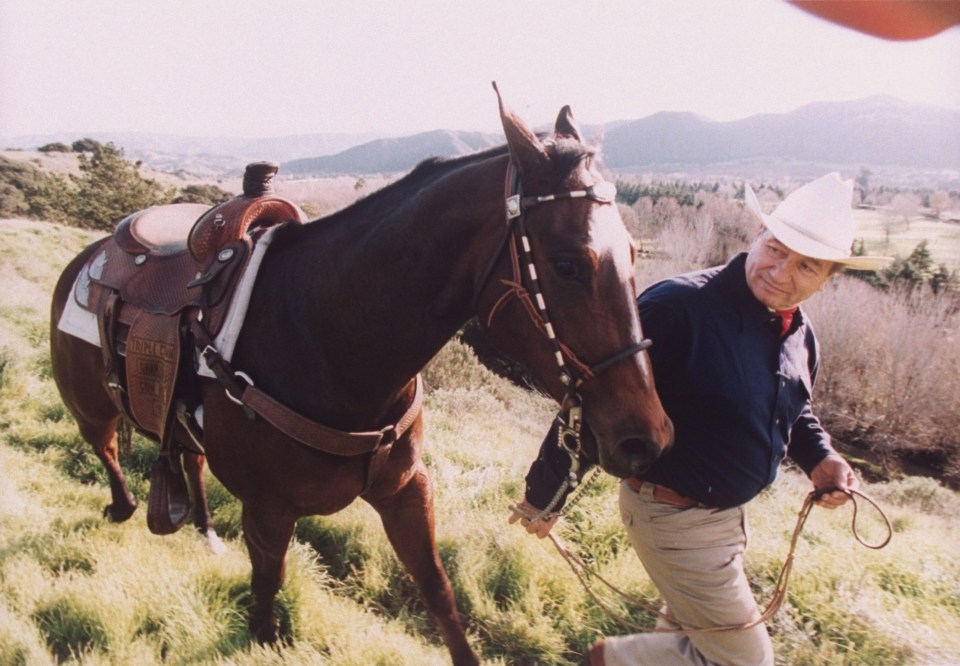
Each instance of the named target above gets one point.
<point>915,270</point>
<point>863,180</point>
<point>17,179</point>
<point>205,194</point>
<point>940,202</point>
<point>904,206</point>
<point>55,147</point>
<point>85,145</point>
<point>944,280</point>
<point>109,187</point>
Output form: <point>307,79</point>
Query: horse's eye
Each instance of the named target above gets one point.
<point>567,269</point>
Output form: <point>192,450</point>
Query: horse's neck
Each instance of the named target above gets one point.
<point>369,297</point>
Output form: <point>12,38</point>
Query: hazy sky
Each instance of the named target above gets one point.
<point>262,69</point>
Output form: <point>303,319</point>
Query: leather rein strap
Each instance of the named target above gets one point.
<point>241,390</point>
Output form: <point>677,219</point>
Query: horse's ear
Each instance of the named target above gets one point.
<point>526,149</point>
<point>567,126</point>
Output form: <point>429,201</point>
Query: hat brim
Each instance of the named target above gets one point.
<point>806,245</point>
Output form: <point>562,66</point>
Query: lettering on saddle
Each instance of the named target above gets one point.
<point>163,267</point>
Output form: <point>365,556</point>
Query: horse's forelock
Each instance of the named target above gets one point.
<point>569,157</point>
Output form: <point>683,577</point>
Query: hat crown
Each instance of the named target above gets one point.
<point>821,209</point>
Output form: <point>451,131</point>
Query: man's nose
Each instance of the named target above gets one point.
<point>781,269</point>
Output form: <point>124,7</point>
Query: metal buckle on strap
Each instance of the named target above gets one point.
<point>568,437</point>
<point>389,436</point>
<point>245,377</point>
<point>514,209</point>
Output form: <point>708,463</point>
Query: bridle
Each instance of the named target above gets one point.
<point>525,285</point>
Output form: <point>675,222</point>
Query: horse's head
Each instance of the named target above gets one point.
<point>574,323</point>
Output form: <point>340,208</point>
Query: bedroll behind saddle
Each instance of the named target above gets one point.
<point>161,268</point>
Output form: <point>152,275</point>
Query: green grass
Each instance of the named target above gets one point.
<point>77,589</point>
<point>898,239</point>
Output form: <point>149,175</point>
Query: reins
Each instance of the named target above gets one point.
<point>582,571</point>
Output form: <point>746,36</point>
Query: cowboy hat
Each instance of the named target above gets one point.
<point>816,220</point>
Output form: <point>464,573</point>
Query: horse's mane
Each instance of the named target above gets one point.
<point>566,154</point>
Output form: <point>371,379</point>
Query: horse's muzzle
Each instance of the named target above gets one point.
<point>632,456</point>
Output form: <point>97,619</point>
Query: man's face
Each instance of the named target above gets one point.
<point>779,277</point>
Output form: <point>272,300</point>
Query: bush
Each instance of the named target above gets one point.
<point>889,382</point>
<point>55,147</point>
<point>17,181</point>
<point>108,188</point>
<point>205,194</point>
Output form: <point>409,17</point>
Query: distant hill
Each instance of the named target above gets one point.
<point>878,132</point>
<point>392,155</point>
<point>875,131</point>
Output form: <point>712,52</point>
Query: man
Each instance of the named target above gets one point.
<point>735,360</point>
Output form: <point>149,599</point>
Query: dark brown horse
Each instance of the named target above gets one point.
<point>347,310</point>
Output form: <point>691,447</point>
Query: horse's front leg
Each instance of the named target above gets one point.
<point>408,520</point>
<point>193,464</point>
<point>267,532</point>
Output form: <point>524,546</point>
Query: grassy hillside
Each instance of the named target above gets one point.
<point>75,588</point>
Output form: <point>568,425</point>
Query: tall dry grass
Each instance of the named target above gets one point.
<point>77,589</point>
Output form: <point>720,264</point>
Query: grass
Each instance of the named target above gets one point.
<point>898,239</point>
<point>77,589</point>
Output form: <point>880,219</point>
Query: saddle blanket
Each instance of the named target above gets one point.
<point>82,323</point>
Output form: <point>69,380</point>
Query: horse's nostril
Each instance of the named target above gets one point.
<point>638,454</point>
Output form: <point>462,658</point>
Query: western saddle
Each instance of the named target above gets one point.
<point>166,275</point>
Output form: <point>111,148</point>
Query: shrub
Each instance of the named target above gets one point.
<point>205,194</point>
<point>17,181</point>
<point>109,188</point>
<point>55,147</point>
<point>888,381</point>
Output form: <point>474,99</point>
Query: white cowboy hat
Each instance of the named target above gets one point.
<point>816,220</point>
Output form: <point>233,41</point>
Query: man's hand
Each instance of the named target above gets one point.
<point>834,472</point>
<point>524,511</point>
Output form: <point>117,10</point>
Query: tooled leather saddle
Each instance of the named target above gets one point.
<point>163,269</point>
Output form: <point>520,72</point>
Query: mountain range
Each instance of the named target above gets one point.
<point>879,132</point>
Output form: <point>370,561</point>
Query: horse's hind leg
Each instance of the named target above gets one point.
<point>193,464</point>
<point>102,436</point>
<point>408,520</point>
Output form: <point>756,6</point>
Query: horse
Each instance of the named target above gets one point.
<point>347,309</point>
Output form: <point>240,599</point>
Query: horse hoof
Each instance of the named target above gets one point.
<point>267,636</point>
<point>119,513</point>
<point>216,546</point>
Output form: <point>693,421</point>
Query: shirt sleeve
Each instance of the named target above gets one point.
<point>809,442</point>
<point>668,332</point>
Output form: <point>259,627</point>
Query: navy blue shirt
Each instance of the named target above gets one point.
<point>738,394</point>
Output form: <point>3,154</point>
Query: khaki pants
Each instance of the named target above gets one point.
<point>695,558</point>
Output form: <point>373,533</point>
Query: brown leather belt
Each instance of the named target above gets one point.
<point>664,494</point>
